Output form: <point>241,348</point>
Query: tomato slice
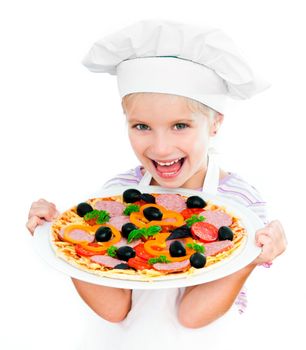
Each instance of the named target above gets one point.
<point>80,250</point>
<point>188,212</point>
<point>141,252</point>
<point>140,202</point>
<point>204,231</point>
<point>138,263</point>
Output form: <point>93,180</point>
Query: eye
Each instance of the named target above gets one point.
<point>141,127</point>
<point>180,126</point>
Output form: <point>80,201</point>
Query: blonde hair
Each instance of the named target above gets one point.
<point>193,105</point>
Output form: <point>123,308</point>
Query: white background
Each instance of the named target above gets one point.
<point>63,135</point>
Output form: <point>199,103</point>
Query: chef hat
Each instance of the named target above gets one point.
<point>201,63</point>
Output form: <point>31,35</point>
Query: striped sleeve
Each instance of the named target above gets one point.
<point>130,177</point>
<point>237,189</point>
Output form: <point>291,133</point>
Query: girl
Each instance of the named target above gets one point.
<point>174,80</point>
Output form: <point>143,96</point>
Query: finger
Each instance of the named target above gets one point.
<point>51,214</point>
<point>33,222</point>
<point>267,230</point>
<point>44,212</point>
<point>274,230</point>
<point>263,239</point>
<point>43,203</point>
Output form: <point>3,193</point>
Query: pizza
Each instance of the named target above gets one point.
<point>147,236</point>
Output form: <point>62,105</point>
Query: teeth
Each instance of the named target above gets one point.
<point>170,163</point>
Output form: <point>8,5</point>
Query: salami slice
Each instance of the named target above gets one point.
<point>114,208</point>
<point>171,202</point>
<point>106,260</point>
<point>215,248</point>
<point>217,218</point>
<point>172,267</point>
<point>80,235</point>
<point>119,221</point>
<point>123,242</point>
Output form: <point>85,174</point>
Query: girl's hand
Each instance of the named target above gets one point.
<point>272,240</point>
<point>39,212</point>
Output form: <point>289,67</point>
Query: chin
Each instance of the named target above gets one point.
<point>171,183</point>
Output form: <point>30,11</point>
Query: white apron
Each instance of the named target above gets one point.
<point>152,322</point>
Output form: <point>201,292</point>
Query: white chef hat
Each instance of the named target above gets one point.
<point>201,63</point>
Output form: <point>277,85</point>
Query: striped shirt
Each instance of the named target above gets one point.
<point>232,187</point>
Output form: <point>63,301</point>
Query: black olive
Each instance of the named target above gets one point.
<point>103,234</point>
<point>132,195</point>
<point>152,213</point>
<point>185,228</point>
<point>122,266</point>
<point>197,260</point>
<point>195,202</point>
<point>125,253</point>
<point>127,228</point>
<point>224,233</point>
<point>177,249</point>
<point>180,232</point>
<point>147,198</point>
<point>83,209</point>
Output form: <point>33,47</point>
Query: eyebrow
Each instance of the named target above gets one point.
<point>132,121</point>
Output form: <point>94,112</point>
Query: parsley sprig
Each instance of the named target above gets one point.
<point>197,247</point>
<point>159,259</point>
<point>131,209</point>
<point>112,251</point>
<point>193,219</point>
<point>143,232</point>
<point>101,216</point>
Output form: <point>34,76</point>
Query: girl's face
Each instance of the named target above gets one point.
<point>162,129</point>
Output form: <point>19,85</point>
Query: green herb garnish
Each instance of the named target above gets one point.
<point>197,247</point>
<point>111,251</point>
<point>136,234</point>
<point>143,232</point>
<point>193,219</point>
<point>101,216</point>
<point>152,230</point>
<point>132,208</point>
<point>160,259</point>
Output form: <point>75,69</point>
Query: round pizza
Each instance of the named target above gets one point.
<point>146,236</point>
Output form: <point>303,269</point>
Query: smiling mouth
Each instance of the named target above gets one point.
<point>168,169</point>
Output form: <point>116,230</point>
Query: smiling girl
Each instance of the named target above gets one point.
<point>173,80</point>
<point>169,139</point>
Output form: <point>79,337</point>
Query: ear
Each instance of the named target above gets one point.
<point>216,123</point>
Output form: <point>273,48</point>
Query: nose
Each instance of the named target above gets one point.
<point>162,146</point>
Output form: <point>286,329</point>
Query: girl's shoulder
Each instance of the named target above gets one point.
<point>236,188</point>
<point>129,177</point>
<point>234,184</point>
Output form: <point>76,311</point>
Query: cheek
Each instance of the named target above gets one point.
<point>136,142</point>
<point>197,142</point>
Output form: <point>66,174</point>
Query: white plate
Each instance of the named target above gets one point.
<point>244,256</point>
